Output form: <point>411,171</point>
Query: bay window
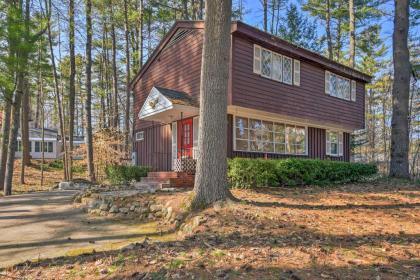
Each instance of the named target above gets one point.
<point>256,135</point>
<point>334,143</point>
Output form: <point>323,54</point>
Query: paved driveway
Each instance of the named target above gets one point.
<point>45,225</point>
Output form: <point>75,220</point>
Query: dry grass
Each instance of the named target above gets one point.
<point>52,176</point>
<point>364,231</point>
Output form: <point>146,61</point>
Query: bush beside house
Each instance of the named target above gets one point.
<point>120,174</point>
<point>248,173</point>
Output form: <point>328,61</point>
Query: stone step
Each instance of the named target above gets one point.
<point>163,175</point>
<point>154,180</point>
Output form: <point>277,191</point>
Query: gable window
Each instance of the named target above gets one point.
<point>334,143</point>
<point>256,135</point>
<point>339,86</point>
<point>140,136</point>
<point>275,66</point>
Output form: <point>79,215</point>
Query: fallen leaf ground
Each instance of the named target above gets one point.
<point>361,231</point>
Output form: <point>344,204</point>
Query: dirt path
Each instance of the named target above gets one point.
<point>45,225</point>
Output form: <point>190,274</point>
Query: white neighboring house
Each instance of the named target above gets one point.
<point>52,144</point>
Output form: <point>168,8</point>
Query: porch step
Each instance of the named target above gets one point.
<point>169,179</point>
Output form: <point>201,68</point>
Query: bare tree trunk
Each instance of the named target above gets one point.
<point>328,30</point>
<point>128,80</point>
<point>26,158</point>
<point>5,130</point>
<point>352,34</point>
<point>400,93</point>
<point>58,97</point>
<point>88,101</point>
<point>72,89</point>
<point>211,178</point>
<point>265,11</point>
<point>115,118</point>
<point>15,118</point>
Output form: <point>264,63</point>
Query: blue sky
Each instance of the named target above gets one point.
<point>255,18</point>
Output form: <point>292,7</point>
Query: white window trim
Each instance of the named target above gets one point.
<point>340,143</point>
<point>269,120</point>
<point>352,86</point>
<point>283,58</point>
<point>140,135</point>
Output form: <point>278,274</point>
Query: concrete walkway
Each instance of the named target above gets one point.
<point>45,224</point>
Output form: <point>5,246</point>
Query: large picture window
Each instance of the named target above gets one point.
<point>340,87</point>
<point>256,135</point>
<point>275,66</point>
<point>334,143</point>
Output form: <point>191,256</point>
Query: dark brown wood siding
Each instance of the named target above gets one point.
<point>307,101</point>
<point>177,67</point>
<point>156,148</point>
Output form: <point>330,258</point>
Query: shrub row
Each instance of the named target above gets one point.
<point>121,174</point>
<point>249,173</point>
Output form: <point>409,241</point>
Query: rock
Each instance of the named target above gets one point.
<point>104,271</point>
<point>132,208</point>
<point>94,203</point>
<point>128,247</point>
<point>138,210</point>
<point>123,210</point>
<point>198,220</point>
<point>136,204</point>
<point>169,212</point>
<point>155,207</point>
<point>104,207</point>
<point>150,216</point>
<point>65,186</point>
<point>114,209</point>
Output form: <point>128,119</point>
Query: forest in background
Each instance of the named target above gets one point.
<point>76,59</point>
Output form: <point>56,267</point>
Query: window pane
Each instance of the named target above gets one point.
<point>255,124</point>
<point>279,138</point>
<point>333,137</point>
<point>290,148</point>
<point>280,148</point>
<point>267,136</point>
<point>254,146</point>
<point>37,147</point>
<point>266,63</point>
<point>267,125</point>
<point>287,70</point>
<point>300,149</point>
<point>279,127</point>
<point>241,122</point>
<point>241,133</point>
<point>300,135</point>
<point>253,135</point>
<point>277,67</point>
<point>242,145</point>
<point>290,134</point>
<point>268,147</point>
<point>334,148</point>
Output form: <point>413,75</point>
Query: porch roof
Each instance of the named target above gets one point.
<point>167,105</point>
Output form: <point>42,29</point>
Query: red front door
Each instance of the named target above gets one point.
<point>185,138</point>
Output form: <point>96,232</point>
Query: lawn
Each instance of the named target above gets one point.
<point>355,231</point>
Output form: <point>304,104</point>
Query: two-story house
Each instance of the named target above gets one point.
<point>283,100</point>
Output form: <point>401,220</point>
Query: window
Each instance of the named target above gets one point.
<point>37,147</point>
<point>19,146</point>
<point>276,67</point>
<point>287,70</point>
<point>48,147</point>
<point>257,135</point>
<point>140,136</point>
<point>334,143</point>
<point>266,63</point>
<point>340,87</point>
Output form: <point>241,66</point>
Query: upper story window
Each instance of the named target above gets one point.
<point>339,86</point>
<point>334,143</point>
<point>256,135</point>
<point>275,66</point>
<point>140,136</point>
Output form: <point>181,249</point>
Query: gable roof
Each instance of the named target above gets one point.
<point>258,36</point>
<point>177,97</point>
